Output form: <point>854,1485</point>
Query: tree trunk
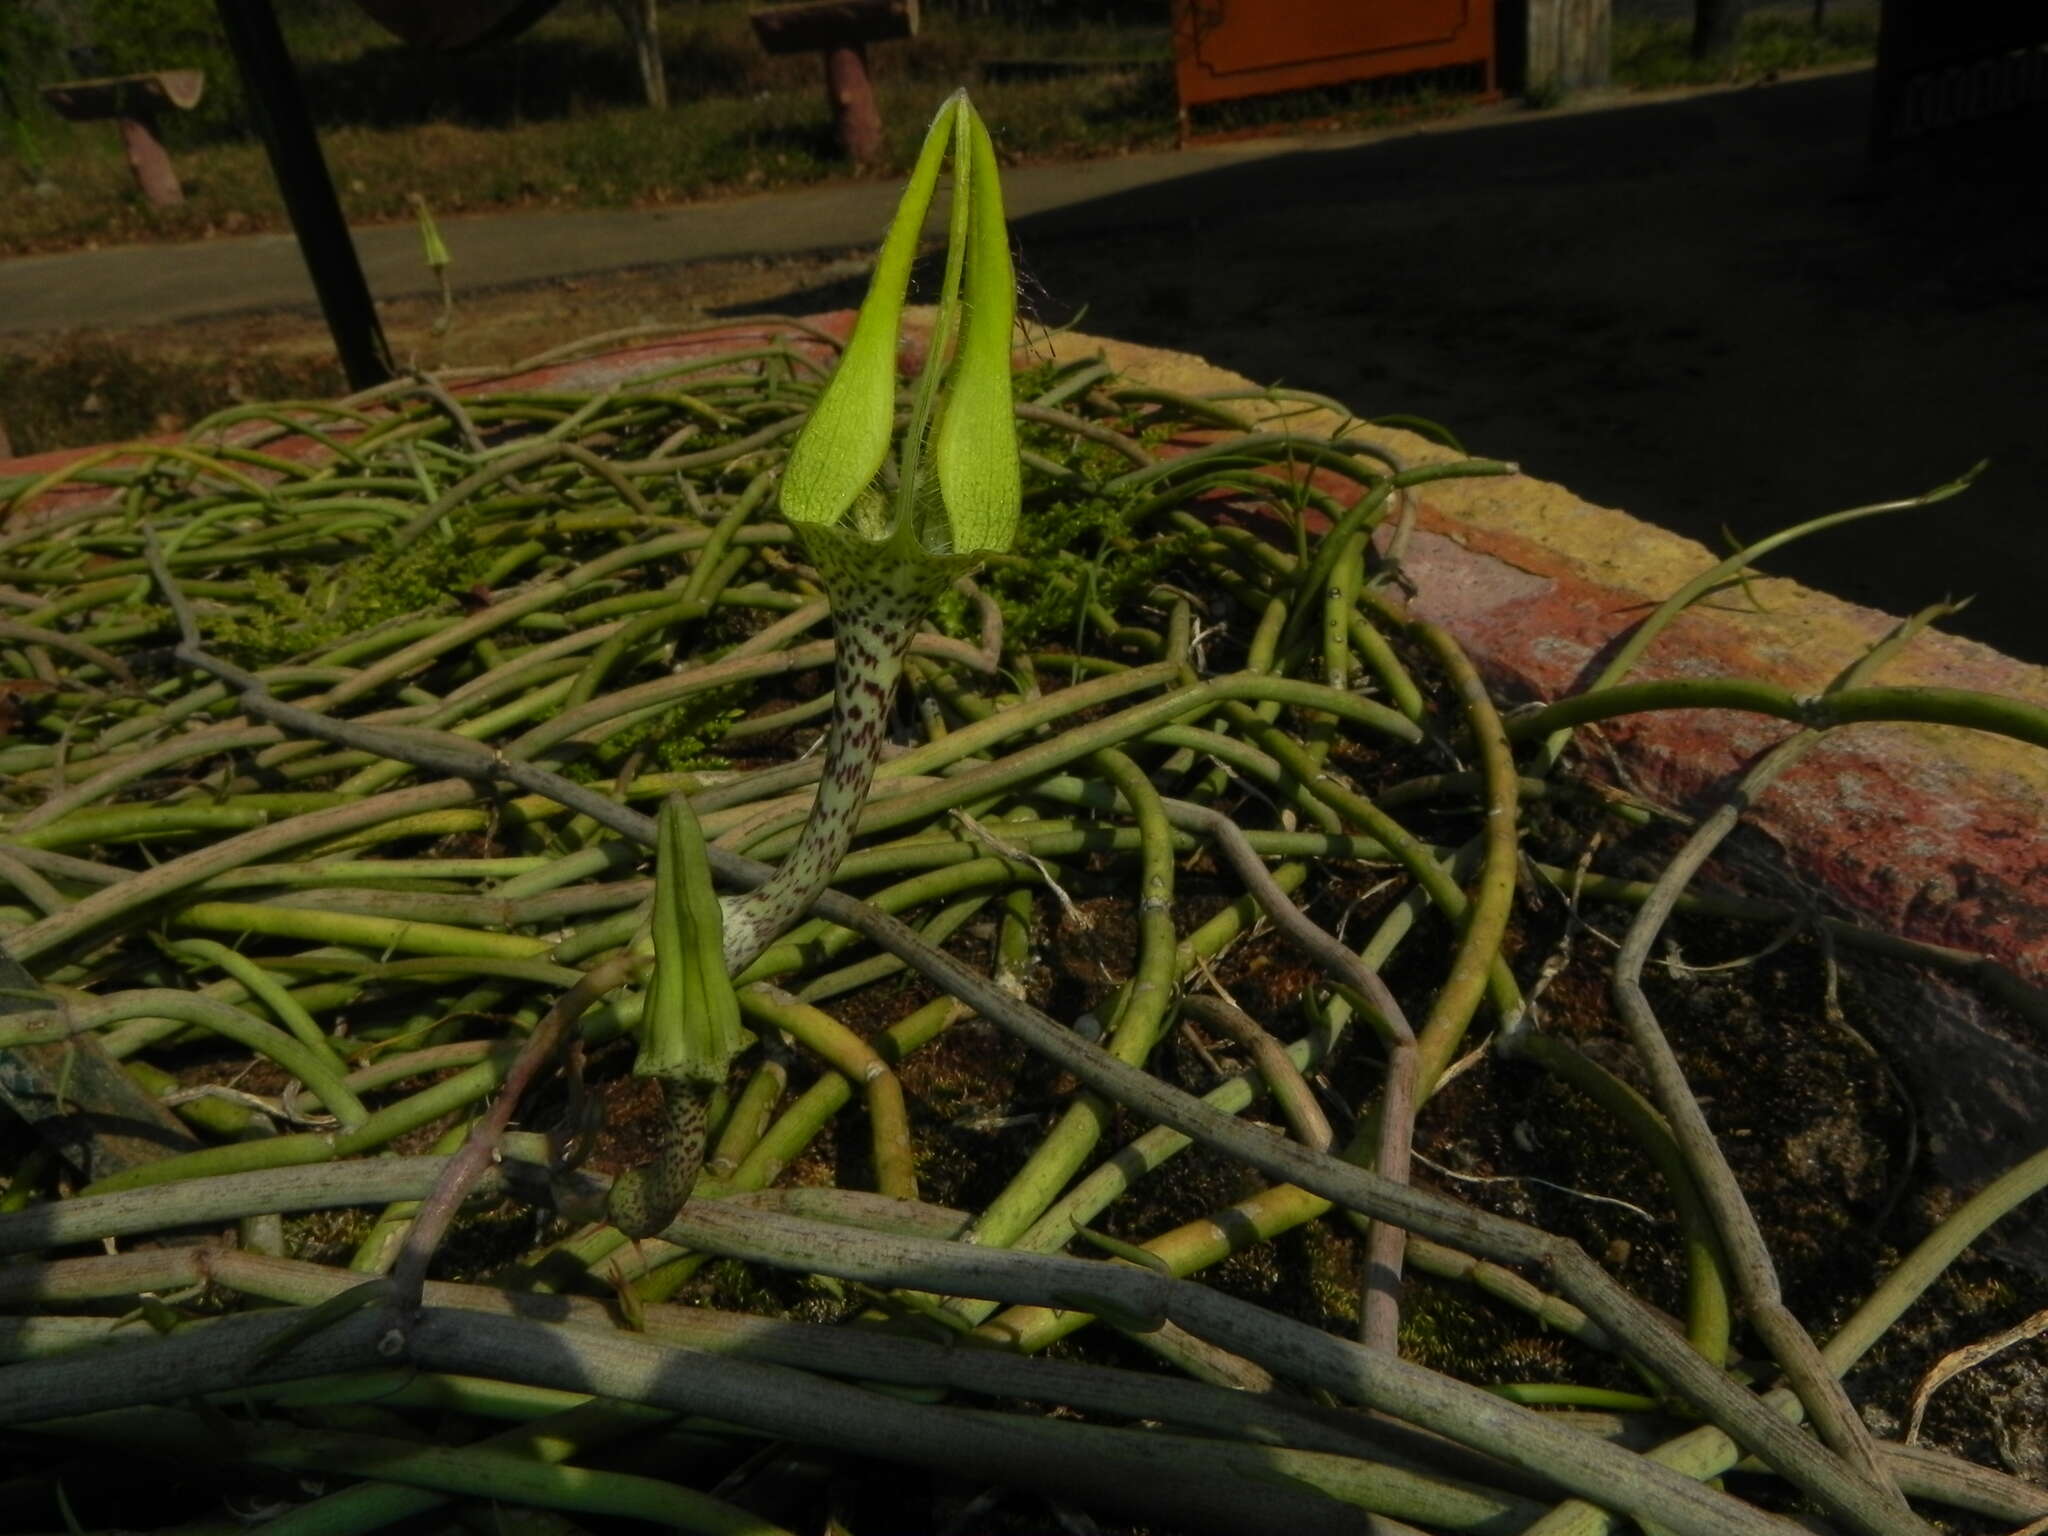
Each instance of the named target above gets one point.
<point>154,173</point>
<point>1715,24</point>
<point>644,33</point>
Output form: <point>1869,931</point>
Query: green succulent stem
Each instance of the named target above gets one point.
<point>880,597</point>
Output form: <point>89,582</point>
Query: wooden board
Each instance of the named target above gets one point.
<point>126,95</point>
<point>1225,50</point>
<point>811,26</point>
<point>448,25</point>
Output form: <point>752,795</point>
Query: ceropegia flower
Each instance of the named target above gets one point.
<point>957,487</point>
<point>689,1025</point>
<point>886,549</point>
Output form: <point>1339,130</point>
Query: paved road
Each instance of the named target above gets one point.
<point>1713,312</point>
<point>157,284</point>
<point>1709,310</point>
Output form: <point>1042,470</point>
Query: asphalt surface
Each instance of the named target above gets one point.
<point>158,284</point>
<point>1711,310</point>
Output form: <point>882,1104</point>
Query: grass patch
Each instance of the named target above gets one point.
<point>554,119</point>
<point>85,390</point>
<point>609,157</point>
<point>1383,102</point>
<point>1655,52</point>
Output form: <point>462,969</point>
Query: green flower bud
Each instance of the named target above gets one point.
<point>430,234</point>
<point>958,490</point>
<point>979,482</point>
<point>691,1025</point>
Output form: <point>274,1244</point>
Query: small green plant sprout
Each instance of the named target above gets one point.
<point>889,539</point>
<point>436,251</point>
<point>957,488</point>
<point>689,1028</point>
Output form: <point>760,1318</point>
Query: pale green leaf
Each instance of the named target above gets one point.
<point>841,448</point>
<point>979,478</point>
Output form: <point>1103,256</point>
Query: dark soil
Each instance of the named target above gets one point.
<point>1813,1120</point>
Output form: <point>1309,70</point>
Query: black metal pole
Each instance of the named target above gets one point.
<point>273,86</point>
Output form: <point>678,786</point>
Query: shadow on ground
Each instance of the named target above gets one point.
<point>1712,312</point>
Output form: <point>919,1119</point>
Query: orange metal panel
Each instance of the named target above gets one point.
<point>1227,49</point>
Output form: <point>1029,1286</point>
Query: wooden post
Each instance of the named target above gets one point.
<point>841,31</point>
<point>853,103</point>
<point>1571,44</point>
<point>643,30</point>
<point>154,173</point>
<point>132,102</point>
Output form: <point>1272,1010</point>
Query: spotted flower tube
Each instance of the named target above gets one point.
<point>887,545</point>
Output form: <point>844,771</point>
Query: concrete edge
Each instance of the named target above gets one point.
<point>1932,832</point>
